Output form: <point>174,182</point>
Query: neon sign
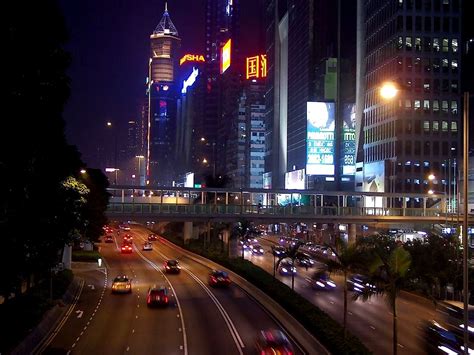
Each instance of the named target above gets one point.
<point>190,80</point>
<point>256,67</point>
<point>191,58</point>
<point>225,56</point>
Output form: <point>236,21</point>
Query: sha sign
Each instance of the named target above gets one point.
<point>256,67</point>
<point>192,58</point>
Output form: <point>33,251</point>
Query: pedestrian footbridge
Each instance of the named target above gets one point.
<point>213,204</point>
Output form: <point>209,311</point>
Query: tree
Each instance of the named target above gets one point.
<point>347,259</point>
<point>291,253</point>
<point>241,229</point>
<point>93,212</point>
<point>388,272</point>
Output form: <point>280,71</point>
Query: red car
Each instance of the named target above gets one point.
<point>157,296</point>
<point>219,278</point>
<point>273,341</point>
<point>126,249</point>
<point>152,237</point>
<point>128,238</point>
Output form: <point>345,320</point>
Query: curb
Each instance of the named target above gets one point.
<point>304,338</point>
<point>49,322</point>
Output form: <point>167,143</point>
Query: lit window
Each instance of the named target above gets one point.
<point>454,66</point>
<point>426,105</point>
<point>436,106</point>
<point>408,43</point>
<point>435,126</point>
<point>445,44</point>
<point>454,45</point>
<point>444,106</point>
<point>417,105</point>
<point>426,126</point>
<point>444,126</point>
<point>454,126</point>
<point>435,44</point>
<point>454,107</point>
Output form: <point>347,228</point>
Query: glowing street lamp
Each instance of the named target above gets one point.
<point>388,90</point>
<point>431,177</point>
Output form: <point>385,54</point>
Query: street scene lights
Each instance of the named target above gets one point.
<point>389,91</point>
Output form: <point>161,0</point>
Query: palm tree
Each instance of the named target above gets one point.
<point>291,254</point>
<point>388,272</point>
<point>347,259</point>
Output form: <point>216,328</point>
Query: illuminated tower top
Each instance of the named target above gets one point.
<point>164,45</point>
<point>165,26</point>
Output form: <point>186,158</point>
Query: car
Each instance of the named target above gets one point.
<point>172,266</point>
<point>147,246</point>
<point>278,250</point>
<point>108,239</point>
<point>128,237</point>
<point>122,284</point>
<point>286,268</point>
<point>256,249</point>
<point>453,312</point>
<point>439,340</point>
<point>322,281</point>
<point>157,296</point>
<point>273,341</point>
<point>358,283</point>
<point>152,237</point>
<point>126,248</point>
<point>219,278</point>
<point>124,227</point>
<point>305,260</point>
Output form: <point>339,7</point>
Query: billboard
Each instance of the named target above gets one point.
<point>295,180</point>
<point>320,138</point>
<point>256,67</point>
<point>189,182</point>
<point>190,80</point>
<point>348,140</point>
<point>225,56</point>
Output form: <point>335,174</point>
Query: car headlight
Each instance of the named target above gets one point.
<point>284,269</point>
<point>320,284</point>
<point>332,284</point>
<point>261,250</point>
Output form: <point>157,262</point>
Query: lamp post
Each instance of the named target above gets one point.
<point>465,220</point>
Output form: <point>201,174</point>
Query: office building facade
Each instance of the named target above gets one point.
<point>411,143</point>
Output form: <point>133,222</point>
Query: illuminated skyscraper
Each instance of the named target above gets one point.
<point>163,92</point>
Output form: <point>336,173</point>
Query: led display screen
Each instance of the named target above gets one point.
<point>320,138</point>
<point>348,140</point>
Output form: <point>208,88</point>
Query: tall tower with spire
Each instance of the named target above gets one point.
<point>162,91</point>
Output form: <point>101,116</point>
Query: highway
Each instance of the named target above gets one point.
<point>370,321</point>
<point>199,319</point>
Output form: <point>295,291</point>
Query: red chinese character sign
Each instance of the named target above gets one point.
<point>256,67</point>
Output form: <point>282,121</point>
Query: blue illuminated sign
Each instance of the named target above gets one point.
<point>348,140</point>
<point>190,80</point>
<point>320,138</point>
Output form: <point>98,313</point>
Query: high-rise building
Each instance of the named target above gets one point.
<point>308,63</point>
<point>221,76</point>
<point>163,93</point>
<point>410,143</point>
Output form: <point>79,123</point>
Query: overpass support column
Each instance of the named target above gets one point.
<point>352,230</point>
<point>187,231</point>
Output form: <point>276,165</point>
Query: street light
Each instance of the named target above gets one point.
<point>389,90</point>
<point>113,170</point>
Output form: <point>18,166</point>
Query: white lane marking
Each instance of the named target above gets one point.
<point>79,313</point>
<point>92,287</point>
<point>372,327</point>
<point>400,345</point>
<point>233,331</point>
<point>128,348</point>
<point>41,347</point>
<point>154,266</point>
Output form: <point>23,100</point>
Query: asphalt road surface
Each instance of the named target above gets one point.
<point>199,319</point>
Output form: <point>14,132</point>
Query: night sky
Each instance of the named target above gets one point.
<point>109,45</point>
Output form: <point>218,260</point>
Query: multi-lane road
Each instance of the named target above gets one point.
<point>370,321</point>
<point>199,319</point>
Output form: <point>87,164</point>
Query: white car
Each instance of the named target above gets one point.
<point>147,246</point>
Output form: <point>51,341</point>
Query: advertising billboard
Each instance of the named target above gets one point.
<point>256,67</point>
<point>295,180</point>
<point>348,140</point>
<point>225,56</point>
<point>320,138</point>
<point>190,80</point>
<point>199,58</point>
<point>189,182</point>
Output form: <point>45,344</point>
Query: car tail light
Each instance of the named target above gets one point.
<point>165,299</point>
<point>148,299</point>
<point>213,279</point>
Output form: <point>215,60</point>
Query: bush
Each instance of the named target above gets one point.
<point>22,313</point>
<point>85,255</point>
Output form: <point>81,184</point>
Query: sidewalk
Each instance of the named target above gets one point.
<point>51,319</point>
